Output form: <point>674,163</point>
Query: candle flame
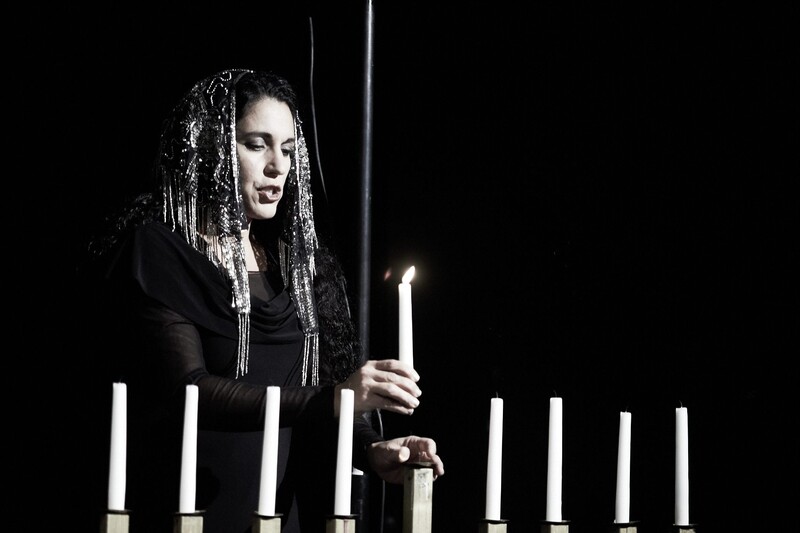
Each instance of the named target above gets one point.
<point>407,277</point>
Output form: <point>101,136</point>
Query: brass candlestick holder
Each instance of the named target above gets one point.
<point>418,498</point>
<point>188,522</point>
<point>341,524</point>
<point>624,527</point>
<point>267,523</point>
<point>555,527</point>
<point>488,525</point>
<point>115,522</point>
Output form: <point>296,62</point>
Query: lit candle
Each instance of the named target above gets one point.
<point>553,513</point>
<point>189,457</point>
<point>344,454</point>
<point>405,337</point>
<point>681,467</point>
<point>622,510</point>
<point>495,461</point>
<point>269,457</point>
<point>119,435</point>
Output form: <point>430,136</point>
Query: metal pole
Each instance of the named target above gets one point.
<point>365,255</point>
<point>366,187</point>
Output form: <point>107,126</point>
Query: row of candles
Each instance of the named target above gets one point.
<point>554,464</point>
<point>266,503</point>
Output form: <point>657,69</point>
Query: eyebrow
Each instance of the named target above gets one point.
<point>267,135</point>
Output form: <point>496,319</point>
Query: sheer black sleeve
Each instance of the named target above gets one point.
<point>224,404</point>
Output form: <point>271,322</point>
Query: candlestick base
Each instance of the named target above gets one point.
<point>418,497</point>
<point>624,527</point>
<point>188,522</point>
<point>555,527</point>
<point>488,525</point>
<point>115,521</point>
<point>267,523</point>
<point>341,523</point>
<point>688,528</point>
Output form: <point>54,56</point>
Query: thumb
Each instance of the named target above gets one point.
<point>403,454</point>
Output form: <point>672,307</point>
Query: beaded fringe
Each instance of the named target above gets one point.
<point>311,352</point>
<point>243,356</point>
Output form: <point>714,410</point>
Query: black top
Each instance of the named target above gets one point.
<point>178,327</point>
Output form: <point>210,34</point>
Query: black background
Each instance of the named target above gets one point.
<point>596,200</point>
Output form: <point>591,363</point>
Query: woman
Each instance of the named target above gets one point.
<point>224,284</point>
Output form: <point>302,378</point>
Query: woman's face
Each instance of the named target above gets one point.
<point>265,144</point>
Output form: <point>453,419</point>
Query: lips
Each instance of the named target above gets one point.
<point>269,193</point>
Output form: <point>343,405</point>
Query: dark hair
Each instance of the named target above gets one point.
<point>252,86</point>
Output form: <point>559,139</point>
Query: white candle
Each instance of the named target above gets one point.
<point>495,461</point>
<point>406,336</point>
<point>553,512</point>
<point>623,502</point>
<point>119,436</point>
<point>681,467</point>
<point>344,454</point>
<point>269,457</point>
<point>189,456</point>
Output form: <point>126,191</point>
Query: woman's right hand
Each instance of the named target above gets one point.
<point>385,384</point>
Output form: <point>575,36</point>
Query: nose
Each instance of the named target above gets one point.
<point>277,164</point>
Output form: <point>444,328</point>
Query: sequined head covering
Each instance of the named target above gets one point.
<point>202,201</point>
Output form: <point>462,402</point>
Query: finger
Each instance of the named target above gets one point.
<point>397,367</point>
<point>422,444</point>
<point>434,460</point>
<point>397,395</point>
<point>395,407</point>
<point>438,466</point>
<point>400,381</point>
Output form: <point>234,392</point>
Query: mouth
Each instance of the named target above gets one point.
<point>269,193</point>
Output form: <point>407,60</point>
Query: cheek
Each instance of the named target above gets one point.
<point>247,173</point>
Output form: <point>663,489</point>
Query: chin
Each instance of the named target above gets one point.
<point>265,213</point>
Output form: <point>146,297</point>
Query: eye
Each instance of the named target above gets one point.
<point>288,149</point>
<point>255,146</point>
